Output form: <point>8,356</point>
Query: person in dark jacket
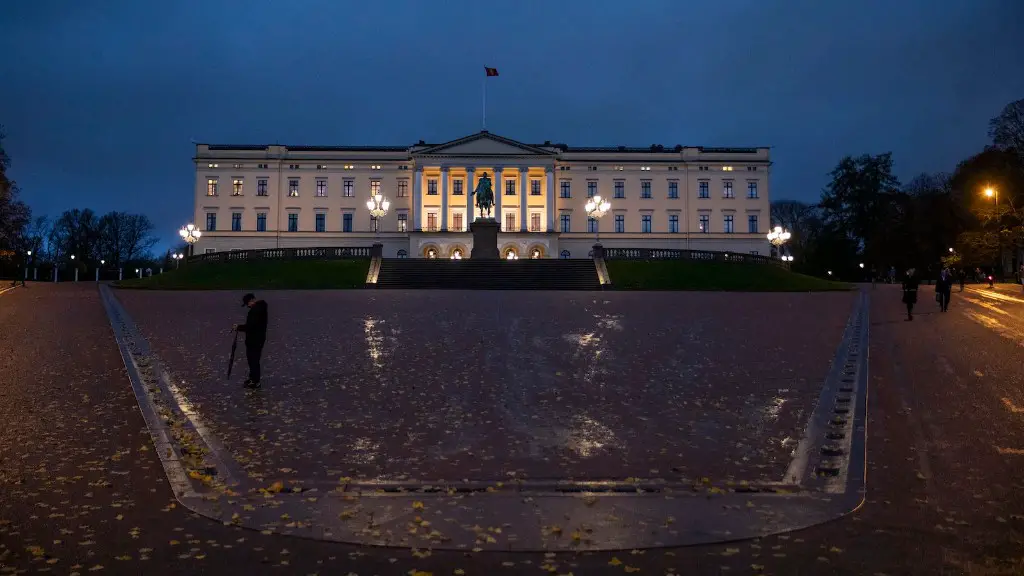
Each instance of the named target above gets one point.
<point>255,329</point>
<point>944,288</point>
<point>910,284</point>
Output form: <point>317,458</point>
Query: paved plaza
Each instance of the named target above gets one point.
<point>168,468</point>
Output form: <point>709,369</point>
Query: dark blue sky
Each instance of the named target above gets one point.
<point>100,105</point>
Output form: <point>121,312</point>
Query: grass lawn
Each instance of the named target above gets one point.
<point>257,275</point>
<point>690,275</point>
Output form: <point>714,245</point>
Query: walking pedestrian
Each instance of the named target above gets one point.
<point>943,289</point>
<point>255,329</point>
<point>910,284</point>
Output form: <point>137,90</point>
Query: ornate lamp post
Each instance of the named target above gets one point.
<point>596,208</point>
<point>190,234</point>
<point>378,206</point>
<point>177,259</point>
<point>778,237</point>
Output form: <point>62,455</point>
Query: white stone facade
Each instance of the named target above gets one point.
<point>293,196</point>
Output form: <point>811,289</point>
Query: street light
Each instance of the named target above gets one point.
<point>778,237</point>
<point>190,234</point>
<point>861,265</point>
<point>378,206</point>
<point>72,256</point>
<point>596,208</point>
<point>177,259</point>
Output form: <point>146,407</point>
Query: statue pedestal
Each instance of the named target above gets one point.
<point>485,238</point>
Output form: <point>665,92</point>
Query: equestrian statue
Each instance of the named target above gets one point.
<point>484,195</point>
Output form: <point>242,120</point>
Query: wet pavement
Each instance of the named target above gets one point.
<point>82,490</point>
<point>491,386</point>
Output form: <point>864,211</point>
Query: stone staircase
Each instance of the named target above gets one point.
<point>478,274</point>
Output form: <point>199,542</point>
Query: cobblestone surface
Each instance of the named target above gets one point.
<point>487,385</point>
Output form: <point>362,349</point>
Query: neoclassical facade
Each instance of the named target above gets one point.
<point>270,196</point>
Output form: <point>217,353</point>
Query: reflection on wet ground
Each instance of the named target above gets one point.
<point>496,385</point>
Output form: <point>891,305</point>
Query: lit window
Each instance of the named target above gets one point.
<point>375,167</point>
<point>403,222</point>
<point>431,187</point>
<point>321,167</point>
<point>214,165</point>
<point>726,168</point>
<point>238,165</point>
<point>211,187</point>
<point>457,222</point>
<point>431,222</point>
<point>403,188</point>
<point>321,187</point>
<point>620,168</point>
<point>347,189</point>
<point>236,187</point>
<point>510,222</point>
<point>374,187</point>
<point>535,222</point>
<point>705,224</point>
<point>349,167</point>
<point>645,168</point>
<point>293,187</point>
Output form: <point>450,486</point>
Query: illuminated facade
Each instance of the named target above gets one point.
<point>271,196</point>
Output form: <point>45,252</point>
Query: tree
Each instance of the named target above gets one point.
<point>856,200</point>
<point>794,216</point>
<point>994,224</point>
<point>1007,129</point>
<point>125,237</point>
<point>76,233</point>
<point>14,214</point>
<point>36,234</point>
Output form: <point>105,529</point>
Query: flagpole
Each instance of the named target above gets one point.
<point>483,120</point>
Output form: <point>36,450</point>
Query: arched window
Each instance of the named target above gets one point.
<point>564,254</point>
<point>403,254</point>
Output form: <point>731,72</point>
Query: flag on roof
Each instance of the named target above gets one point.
<point>491,71</point>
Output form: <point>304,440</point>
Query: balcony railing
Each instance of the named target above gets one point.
<point>333,253</point>
<point>701,255</point>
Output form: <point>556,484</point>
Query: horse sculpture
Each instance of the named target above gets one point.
<point>484,195</point>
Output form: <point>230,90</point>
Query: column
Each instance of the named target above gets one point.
<point>499,191</point>
<point>467,189</point>
<point>444,199</point>
<point>550,170</point>
<point>417,198</point>
<point>523,182</point>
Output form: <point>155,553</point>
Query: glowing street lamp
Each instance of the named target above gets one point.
<point>378,206</point>
<point>190,234</point>
<point>596,208</point>
<point>177,259</point>
<point>778,237</point>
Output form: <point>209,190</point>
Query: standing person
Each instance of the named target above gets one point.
<point>255,329</point>
<point>892,275</point>
<point>943,288</point>
<point>963,275</point>
<point>910,284</point>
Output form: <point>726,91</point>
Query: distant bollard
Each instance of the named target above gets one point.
<point>97,274</point>
<point>55,274</point>
<point>76,274</point>
<point>161,270</point>
<point>35,273</point>
<point>120,273</point>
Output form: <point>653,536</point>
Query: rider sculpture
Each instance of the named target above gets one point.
<point>484,195</point>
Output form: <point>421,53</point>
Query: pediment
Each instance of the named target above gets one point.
<point>484,144</point>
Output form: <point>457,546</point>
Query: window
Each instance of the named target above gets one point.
<point>591,189</point>
<point>702,168</point>
<point>347,188</point>
<point>236,187</point>
<point>645,223</point>
<point>535,222</point>
<point>236,221</point>
<point>293,166</point>
<point>375,167</point>
<point>211,221</point>
<point>705,223</point>
<point>727,190</point>
<point>673,189</point>
<point>349,167</point>
<point>751,189</point>
<point>591,224</point>
<point>211,187</point>
<point>620,223</point>
<point>293,187</point>
<point>214,165</point>
<point>262,166</point>
<point>673,223</point>
<point>726,168</point>
<point>321,222</point>
<point>564,254</point>
<point>403,254</point>
<point>645,168</point>
<point>321,187</point>
<point>702,189</point>
<point>534,187</point>
<point>321,166</point>
<point>620,189</point>
<point>563,221</point>
<point>431,222</point>
<point>261,187</point>
<point>645,189</point>
<point>751,168</point>
<point>293,222</point>
<point>432,187</point>
<point>346,222</point>
<point>752,223</point>
<point>566,189</point>
<point>728,225</point>
<point>457,222</point>
<point>261,221</point>
<point>374,187</point>
<point>510,222</point>
<point>457,187</point>
<point>510,187</point>
<point>403,222</point>
<point>209,251</point>
<point>403,188</point>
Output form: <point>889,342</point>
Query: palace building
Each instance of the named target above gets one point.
<point>276,196</point>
